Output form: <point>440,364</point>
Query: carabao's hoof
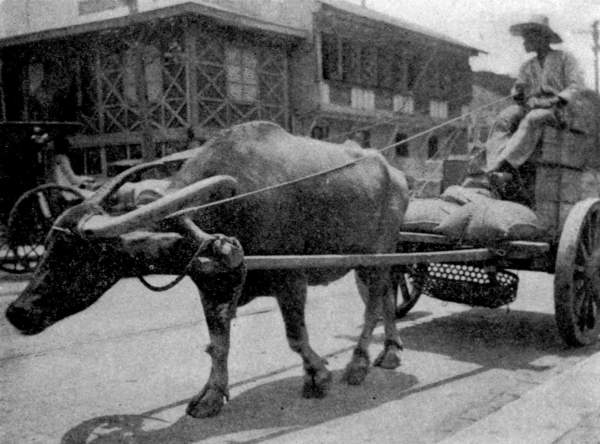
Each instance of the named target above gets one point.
<point>208,403</point>
<point>316,384</point>
<point>356,371</point>
<point>389,358</point>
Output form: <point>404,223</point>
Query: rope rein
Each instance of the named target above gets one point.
<point>237,197</point>
<point>179,278</point>
<point>141,278</point>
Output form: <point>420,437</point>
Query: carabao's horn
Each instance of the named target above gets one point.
<point>195,194</point>
<point>109,187</point>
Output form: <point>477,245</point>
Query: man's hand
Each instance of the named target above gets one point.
<point>518,92</point>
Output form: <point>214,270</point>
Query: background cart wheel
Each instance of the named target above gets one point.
<point>410,282</point>
<point>576,279</point>
<point>410,286</point>
<point>29,221</point>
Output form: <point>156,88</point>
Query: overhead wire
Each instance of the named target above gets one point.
<point>241,196</point>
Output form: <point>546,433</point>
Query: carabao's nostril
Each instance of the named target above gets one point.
<point>15,315</point>
<point>23,319</point>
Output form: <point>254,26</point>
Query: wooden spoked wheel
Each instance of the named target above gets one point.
<point>410,287</point>
<point>577,275</point>
<point>29,222</point>
<point>20,259</point>
<point>410,282</point>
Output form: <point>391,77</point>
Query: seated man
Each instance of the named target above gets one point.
<point>545,84</point>
<point>61,171</point>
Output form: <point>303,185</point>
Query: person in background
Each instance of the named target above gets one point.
<point>62,172</point>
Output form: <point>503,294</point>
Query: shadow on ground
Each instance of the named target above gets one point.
<point>274,409</point>
<point>490,338</point>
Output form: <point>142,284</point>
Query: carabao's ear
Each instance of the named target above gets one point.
<point>150,246</point>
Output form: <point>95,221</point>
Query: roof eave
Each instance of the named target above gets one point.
<point>222,16</point>
<point>393,21</point>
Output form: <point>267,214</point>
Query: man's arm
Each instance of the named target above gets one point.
<point>573,77</point>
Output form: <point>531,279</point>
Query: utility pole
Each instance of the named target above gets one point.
<point>596,49</point>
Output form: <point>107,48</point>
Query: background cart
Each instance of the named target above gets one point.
<point>29,204</point>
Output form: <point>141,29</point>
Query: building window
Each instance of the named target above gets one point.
<point>242,76</point>
<point>438,109</point>
<point>413,73</point>
<point>385,74</point>
<point>324,92</point>
<point>404,104</point>
<point>152,60</point>
<point>330,53</point>
<point>432,146</point>
<point>401,147</point>
<point>362,99</point>
<point>36,75</point>
<point>320,132</point>
<point>361,64</point>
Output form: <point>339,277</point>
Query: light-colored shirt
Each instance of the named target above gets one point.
<point>561,73</point>
<point>63,173</point>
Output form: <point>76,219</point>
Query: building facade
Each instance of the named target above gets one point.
<point>145,76</point>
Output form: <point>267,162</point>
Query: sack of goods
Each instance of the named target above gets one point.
<point>488,221</point>
<point>425,215</point>
<point>467,216</point>
<point>464,195</point>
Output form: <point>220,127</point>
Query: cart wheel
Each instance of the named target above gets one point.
<point>410,285</point>
<point>576,279</point>
<point>21,259</point>
<point>29,222</point>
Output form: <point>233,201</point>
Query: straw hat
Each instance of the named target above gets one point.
<point>536,23</point>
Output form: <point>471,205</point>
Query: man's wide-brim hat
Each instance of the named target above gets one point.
<point>537,23</point>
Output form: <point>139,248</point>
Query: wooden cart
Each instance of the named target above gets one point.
<point>28,205</point>
<point>565,191</point>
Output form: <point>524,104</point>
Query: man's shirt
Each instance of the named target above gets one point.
<point>560,73</point>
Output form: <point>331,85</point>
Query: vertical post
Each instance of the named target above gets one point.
<point>141,88</point>
<point>2,99</point>
<point>596,49</point>
<point>191,60</point>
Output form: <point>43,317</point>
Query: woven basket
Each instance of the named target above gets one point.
<point>467,284</point>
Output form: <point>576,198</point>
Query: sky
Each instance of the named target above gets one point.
<point>484,24</point>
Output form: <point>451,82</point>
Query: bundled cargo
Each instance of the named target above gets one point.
<point>491,221</point>
<point>424,215</point>
<point>464,195</point>
<point>563,177</point>
<point>464,215</point>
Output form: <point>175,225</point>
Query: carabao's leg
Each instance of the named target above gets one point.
<point>378,281</point>
<point>219,293</point>
<point>291,297</point>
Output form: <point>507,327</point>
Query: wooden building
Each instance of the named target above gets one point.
<point>142,76</point>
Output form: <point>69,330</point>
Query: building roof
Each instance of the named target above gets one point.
<point>370,14</point>
<point>221,15</point>
<point>498,83</point>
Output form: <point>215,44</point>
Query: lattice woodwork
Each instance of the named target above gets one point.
<point>171,110</point>
<point>216,108</point>
<point>117,114</point>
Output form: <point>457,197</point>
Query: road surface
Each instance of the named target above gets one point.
<point>124,370</point>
